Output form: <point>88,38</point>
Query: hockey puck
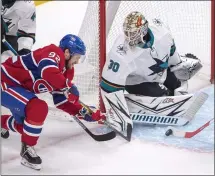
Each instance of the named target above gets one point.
<point>169,132</point>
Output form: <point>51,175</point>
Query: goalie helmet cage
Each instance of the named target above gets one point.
<point>191,24</point>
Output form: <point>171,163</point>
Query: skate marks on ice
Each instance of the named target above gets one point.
<point>202,142</point>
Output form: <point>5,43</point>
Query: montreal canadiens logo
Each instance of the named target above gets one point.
<point>42,86</point>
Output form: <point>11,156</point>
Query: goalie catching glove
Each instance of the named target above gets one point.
<point>187,68</point>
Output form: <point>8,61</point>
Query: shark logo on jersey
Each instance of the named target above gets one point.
<point>121,49</point>
<point>160,66</point>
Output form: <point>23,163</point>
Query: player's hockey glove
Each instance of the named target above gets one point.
<point>96,115</point>
<point>72,94</point>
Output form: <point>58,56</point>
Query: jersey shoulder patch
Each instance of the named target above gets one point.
<point>119,48</point>
<point>158,23</point>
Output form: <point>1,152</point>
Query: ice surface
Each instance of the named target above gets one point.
<point>66,149</point>
<point>203,142</point>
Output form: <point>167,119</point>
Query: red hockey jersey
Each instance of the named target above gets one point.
<point>42,70</point>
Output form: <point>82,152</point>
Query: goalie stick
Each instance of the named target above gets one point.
<point>178,133</point>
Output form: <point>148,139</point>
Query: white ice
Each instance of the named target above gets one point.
<point>66,149</point>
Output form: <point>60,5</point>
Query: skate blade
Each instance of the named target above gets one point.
<point>30,165</point>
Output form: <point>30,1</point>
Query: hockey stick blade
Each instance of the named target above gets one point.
<point>129,127</point>
<point>101,137</point>
<point>195,106</point>
<point>178,133</point>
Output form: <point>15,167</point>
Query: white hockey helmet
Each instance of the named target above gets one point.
<point>135,27</point>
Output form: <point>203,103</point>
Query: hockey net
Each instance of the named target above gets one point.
<point>190,22</point>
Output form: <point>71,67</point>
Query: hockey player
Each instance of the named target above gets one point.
<point>144,60</point>
<point>47,69</point>
<point>143,74</point>
<point>18,24</point>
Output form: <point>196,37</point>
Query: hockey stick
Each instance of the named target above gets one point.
<point>129,127</point>
<point>97,137</point>
<point>101,137</point>
<point>178,133</point>
<point>9,46</point>
<point>195,106</point>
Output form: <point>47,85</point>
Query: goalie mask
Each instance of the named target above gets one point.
<point>135,27</point>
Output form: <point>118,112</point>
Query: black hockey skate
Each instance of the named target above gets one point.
<point>30,157</point>
<point>4,133</point>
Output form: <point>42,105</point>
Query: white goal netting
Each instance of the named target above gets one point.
<point>189,22</point>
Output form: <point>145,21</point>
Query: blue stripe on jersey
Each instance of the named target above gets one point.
<point>44,63</point>
<point>32,130</point>
<point>28,61</point>
<point>30,65</point>
<point>58,98</point>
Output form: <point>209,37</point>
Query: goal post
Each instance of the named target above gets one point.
<point>191,24</point>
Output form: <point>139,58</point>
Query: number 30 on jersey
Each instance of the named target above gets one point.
<point>114,66</point>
